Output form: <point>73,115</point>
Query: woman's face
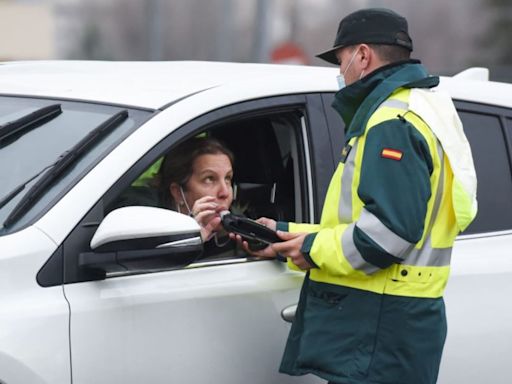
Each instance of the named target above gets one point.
<point>211,176</point>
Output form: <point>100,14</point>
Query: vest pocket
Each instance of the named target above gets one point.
<point>339,330</point>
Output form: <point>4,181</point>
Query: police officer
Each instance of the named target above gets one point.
<point>371,308</point>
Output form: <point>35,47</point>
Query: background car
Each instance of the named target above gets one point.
<point>82,301</point>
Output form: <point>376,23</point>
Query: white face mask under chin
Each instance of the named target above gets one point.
<point>184,202</point>
<point>218,243</point>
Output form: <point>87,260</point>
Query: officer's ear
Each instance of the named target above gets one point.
<point>366,56</point>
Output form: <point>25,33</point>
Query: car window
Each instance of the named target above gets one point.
<point>488,144</point>
<point>28,155</point>
<point>265,169</point>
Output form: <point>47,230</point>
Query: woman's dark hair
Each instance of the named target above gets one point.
<point>177,165</point>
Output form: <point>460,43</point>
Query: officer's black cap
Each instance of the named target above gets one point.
<point>370,26</point>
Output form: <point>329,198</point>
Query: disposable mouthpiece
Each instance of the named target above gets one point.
<point>224,213</point>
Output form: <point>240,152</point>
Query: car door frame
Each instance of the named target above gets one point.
<point>62,266</point>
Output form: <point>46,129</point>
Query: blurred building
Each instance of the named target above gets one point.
<point>448,36</point>
<point>444,32</point>
<point>27,31</point>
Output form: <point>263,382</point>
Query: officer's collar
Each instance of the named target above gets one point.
<point>356,102</point>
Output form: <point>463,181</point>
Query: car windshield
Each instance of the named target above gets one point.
<point>32,140</point>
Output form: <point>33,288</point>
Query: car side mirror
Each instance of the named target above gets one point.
<point>143,238</point>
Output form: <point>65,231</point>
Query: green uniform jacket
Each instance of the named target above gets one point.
<point>371,309</point>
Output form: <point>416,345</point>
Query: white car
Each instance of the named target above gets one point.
<point>93,293</point>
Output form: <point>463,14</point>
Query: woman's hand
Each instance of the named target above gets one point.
<point>206,212</point>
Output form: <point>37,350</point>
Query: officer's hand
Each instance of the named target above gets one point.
<point>266,252</point>
<point>290,248</point>
<point>269,223</point>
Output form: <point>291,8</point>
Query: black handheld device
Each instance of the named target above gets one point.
<point>248,229</point>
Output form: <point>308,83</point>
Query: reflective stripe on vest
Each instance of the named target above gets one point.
<point>347,177</point>
<point>352,254</point>
<point>426,255</point>
<point>384,237</point>
<point>394,103</point>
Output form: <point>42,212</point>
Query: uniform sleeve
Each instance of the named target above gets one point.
<point>297,227</point>
<point>395,188</point>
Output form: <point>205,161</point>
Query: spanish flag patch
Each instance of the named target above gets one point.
<point>392,154</point>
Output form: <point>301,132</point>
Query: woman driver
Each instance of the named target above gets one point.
<point>196,179</point>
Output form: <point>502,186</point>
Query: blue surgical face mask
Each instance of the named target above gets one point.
<point>341,77</point>
<point>341,81</point>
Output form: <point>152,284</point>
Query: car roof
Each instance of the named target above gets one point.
<point>143,84</point>
<point>155,85</point>
<point>478,91</point>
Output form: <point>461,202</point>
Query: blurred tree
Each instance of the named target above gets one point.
<point>496,41</point>
<point>499,30</point>
<point>92,44</point>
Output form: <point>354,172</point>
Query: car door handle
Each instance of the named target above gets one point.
<point>288,313</point>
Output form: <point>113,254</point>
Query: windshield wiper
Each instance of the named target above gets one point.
<point>15,128</point>
<point>62,163</point>
<point>11,195</point>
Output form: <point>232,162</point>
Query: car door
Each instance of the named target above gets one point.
<point>40,144</point>
<point>478,305</point>
<point>215,320</point>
